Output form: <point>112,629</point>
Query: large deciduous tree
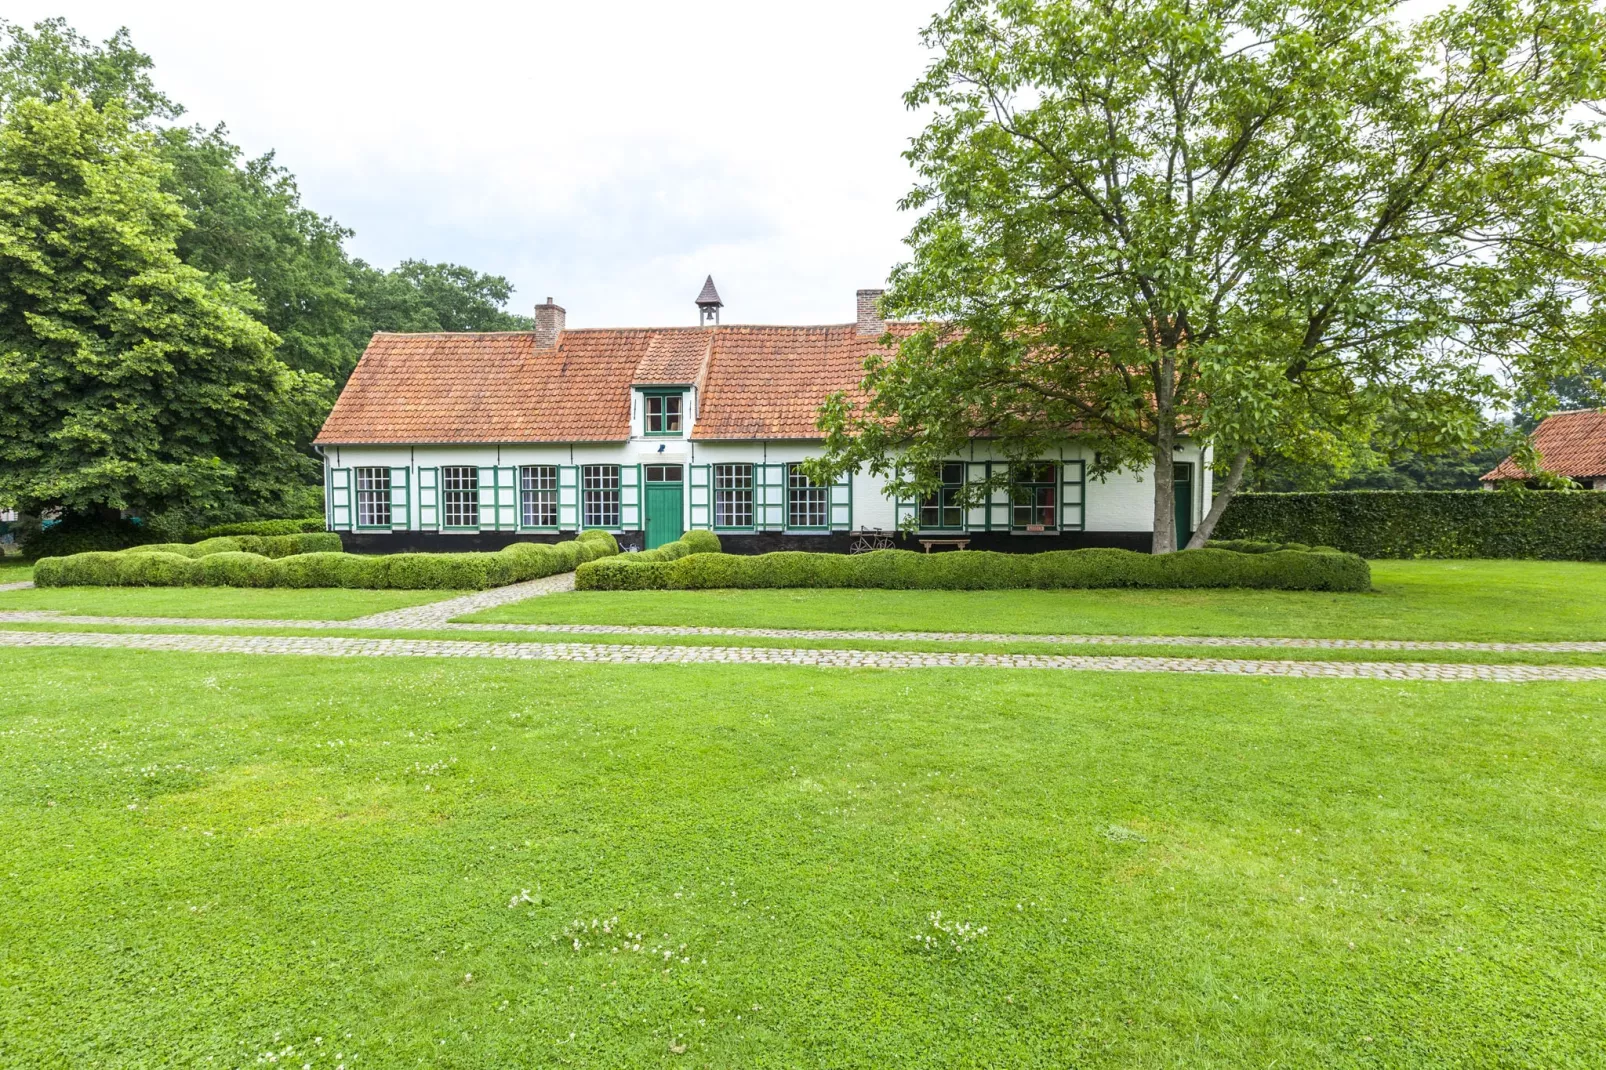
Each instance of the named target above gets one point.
<point>1271,226</point>
<point>128,379</point>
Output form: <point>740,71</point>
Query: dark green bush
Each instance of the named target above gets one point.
<point>262,527</point>
<point>968,570</point>
<point>1548,525</point>
<point>75,534</point>
<point>298,561</point>
<point>637,572</point>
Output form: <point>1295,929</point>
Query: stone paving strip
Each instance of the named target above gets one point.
<point>19,585</point>
<point>622,654</point>
<point>50,616</point>
<point>434,614</point>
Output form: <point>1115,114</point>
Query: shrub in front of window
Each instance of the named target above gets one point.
<point>1291,570</point>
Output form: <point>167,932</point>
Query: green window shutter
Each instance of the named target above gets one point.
<point>507,499</point>
<point>1073,503</point>
<point>903,510</point>
<point>399,515</point>
<point>569,497</point>
<point>841,499</point>
<point>976,515</point>
<point>340,499</point>
<point>429,499</point>
<point>630,497</point>
<point>486,492</point>
<point>998,501</point>
<point>769,504</point>
<point>702,511</point>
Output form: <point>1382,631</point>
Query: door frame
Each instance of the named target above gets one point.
<point>1185,531</point>
<point>647,488</point>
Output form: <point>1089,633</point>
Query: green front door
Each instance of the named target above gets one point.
<point>1182,477</point>
<point>665,521</point>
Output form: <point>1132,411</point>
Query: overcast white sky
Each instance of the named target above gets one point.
<point>607,154</point>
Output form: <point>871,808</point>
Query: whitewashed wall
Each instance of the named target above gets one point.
<point>1119,502</point>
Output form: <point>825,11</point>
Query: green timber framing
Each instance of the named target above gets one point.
<point>415,500</point>
<point>997,513</point>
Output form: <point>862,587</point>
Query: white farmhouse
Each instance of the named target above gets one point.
<point>460,441</point>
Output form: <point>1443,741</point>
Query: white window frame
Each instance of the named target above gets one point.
<point>733,497</point>
<point>538,496</point>
<point>806,499</point>
<point>460,496</point>
<point>373,497</point>
<point>600,498</point>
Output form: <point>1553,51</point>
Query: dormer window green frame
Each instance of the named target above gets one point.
<point>663,413</point>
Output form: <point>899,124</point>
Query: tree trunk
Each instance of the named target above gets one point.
<point>1165,492</point>
<point>1224,495</point>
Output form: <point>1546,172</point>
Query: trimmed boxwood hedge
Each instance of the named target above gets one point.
<point>268,546</point>
<point>980,570</point>
<point>231,566</point>
<point>1548,525</point>
<point>262,527</point>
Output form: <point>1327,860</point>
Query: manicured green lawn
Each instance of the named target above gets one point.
<point>206,858</point>
<point>1482,600</point>
<point>285,603</point>
<point>12,572</point>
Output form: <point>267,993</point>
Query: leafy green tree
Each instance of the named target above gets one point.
<point>247,224</point>
<point>419,296</point>
<point>128,379</point>
<point>1274,227</point>
<point>53,62</point>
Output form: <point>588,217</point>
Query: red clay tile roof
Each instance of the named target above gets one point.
<point>1572,444</point>
<point>756,382</point>
<point>674,357</point>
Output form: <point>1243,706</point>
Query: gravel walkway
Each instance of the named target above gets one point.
<point>432,617</point>
<point>434,614</point>
<point>613,653</point>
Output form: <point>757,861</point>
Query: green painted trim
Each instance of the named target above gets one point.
<point>645,416</point>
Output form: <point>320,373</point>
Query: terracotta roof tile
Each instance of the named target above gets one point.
<point>756,382</point>
<point>674,357</point>
<point>1572,444</point>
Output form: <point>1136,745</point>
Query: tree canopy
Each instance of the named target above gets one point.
<point>1282,227</point>
<point>127,377</point>
<point>236,283</point>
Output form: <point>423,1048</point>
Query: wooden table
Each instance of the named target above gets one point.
<point>958,544</point>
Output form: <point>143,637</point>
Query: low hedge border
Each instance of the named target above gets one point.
<point>153,566</point>
<point>982,570</point>
<point>274,546</point>
<point>262,527</point>
<point>1546,525</point>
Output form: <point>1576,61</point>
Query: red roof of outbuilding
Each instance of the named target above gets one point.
<point>1572,444</point>
<point>755,383</point>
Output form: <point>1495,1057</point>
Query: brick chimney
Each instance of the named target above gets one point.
<point>549,320</point>
<point>870,321</point>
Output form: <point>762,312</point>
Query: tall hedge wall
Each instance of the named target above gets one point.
<point>1551,525</point>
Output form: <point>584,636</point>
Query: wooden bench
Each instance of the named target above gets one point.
<point>958,544</point>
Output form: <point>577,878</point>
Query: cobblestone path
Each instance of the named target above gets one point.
<point>19,585</point>
<point>415,618</point>
<point>614,653</point>
<point>434,614</point>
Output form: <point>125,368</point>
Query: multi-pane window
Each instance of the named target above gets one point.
<point>663,413</point>
<point>806,501</point>
<point>664,473</point>
<point>538,496</point>
<point>733,495</point>
<point>943,509</point>
<point>1036,496</point>
<point>460,496</point>
<point>599,495</point>
<point>373,497</point>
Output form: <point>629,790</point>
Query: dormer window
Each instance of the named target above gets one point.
<point>664,412</point>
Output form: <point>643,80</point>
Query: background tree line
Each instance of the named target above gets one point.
<point>174,322</point>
